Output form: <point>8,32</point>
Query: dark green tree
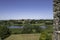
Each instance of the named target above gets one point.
<point>27,29</point>
<point>4,32</point>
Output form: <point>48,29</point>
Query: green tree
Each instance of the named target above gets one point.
<point>27,29</point>
<point>4,32</point>
<point>45,36</point>
<point>32,21</point>
<point>37,29</point>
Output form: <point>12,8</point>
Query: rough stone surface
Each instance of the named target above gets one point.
<point>56,11</point>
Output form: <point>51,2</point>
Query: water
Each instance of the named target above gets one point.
<point>43,27</point>
<point>15,26</point>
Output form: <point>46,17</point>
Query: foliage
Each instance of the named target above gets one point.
<point>38,29</point>
<point>4,32</point>
<point>45,36</point>
<point>27,29</point>
<point>15,31</point>
<point>33,21</point>
<point>47,33</point>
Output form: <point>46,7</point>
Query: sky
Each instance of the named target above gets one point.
<point>26,9</point>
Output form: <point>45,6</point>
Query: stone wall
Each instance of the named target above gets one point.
<point>56,12</point>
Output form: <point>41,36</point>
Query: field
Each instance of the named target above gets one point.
<point>24,37</point>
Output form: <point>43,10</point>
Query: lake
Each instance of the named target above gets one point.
<point>15,26</point>
<point>43,27</point>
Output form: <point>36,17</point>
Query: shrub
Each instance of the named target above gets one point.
<point>4,32</point>
<point>45,36</point>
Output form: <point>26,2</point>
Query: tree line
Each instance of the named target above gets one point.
<point>23,21</point>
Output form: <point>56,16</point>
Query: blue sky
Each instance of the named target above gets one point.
<point>26,9</point>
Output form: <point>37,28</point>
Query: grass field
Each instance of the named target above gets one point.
<point>24,37</point>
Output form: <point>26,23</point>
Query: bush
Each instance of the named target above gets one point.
<point>4,32</point>
<point>45,36</point>
<point>27,29</point>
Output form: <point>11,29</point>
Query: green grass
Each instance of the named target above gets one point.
<point>15,30</point>
<point>24,37</point>
<point>31,24</point>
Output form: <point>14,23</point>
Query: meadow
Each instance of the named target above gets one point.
<point>24,37</point>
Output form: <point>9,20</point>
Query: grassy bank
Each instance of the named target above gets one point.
<point>24,37</point>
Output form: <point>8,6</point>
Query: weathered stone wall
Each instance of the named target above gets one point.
<point>56,10</point>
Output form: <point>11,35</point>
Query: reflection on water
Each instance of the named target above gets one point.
<point>43,27</point>
<point>15,26</point>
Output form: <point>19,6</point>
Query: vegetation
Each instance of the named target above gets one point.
<point>24,37</point>
<point>45,36</point>
<point>29,27</point>
<point>15,31</point>
<point>4,32</point>
<point>47,33</point>
<point>23,22</point>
